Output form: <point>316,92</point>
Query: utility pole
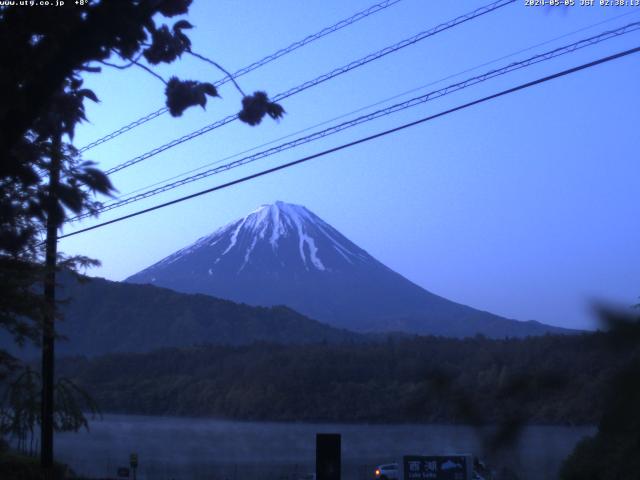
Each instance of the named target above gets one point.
<point>48,327</point>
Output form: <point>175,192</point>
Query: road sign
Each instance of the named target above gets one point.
<point>437,467</point>
<point>123,472</point>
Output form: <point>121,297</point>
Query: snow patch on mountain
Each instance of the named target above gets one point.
<point>248,253</point>
<point>234,236</point>
<point>299,215</point>
<point>278,226</point>
<point>273,223</point>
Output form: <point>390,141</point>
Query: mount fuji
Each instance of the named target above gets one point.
<point>283,254</point>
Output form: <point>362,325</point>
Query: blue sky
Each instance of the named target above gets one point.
<point>526,206</point>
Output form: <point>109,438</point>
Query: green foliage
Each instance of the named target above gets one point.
<point>550,380</point>
<point>20,408</point>
<point>42,98</point>
<point>184,94</point>
<point>614,452</point>
<point>20,467</point>
<point>255,107</point>
<point>48,50</point>
<point>43,177</point>
<point>19,414</point>
<point>41,103</point>
<point>19,300</point>
<point>166,45</point>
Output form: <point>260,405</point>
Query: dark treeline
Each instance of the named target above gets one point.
<point>549,379</point>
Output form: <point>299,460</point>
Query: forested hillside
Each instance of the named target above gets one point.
<point>549,379</point>
<point>100,316</point>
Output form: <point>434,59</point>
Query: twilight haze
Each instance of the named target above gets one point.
<point>525,206</point>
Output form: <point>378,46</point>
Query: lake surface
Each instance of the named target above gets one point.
<point>196,449</point>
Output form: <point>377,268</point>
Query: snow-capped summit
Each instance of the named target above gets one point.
<point>272,236</point>
<point>283,254</point>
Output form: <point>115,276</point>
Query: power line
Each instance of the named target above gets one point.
<point>257,64</point>
<point>413,102</point>
<point>380,102</point>
<point>322,78</point>
<point>362,140</point>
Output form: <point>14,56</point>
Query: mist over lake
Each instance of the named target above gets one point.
<point>184,448</point>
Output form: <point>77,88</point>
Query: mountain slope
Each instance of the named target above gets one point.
<point>285,254</point>
<point>101,317</point>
